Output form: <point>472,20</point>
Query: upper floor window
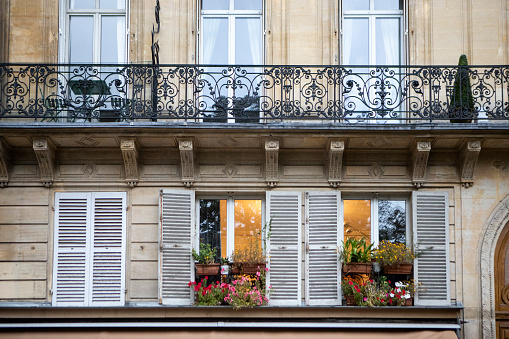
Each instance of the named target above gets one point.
<point>95,31</point>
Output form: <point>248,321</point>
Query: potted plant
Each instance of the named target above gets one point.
<point>461,108</point>
<point>356,256</point>
<point>250,259</point>
<point>225,266</point>
<point>205,260</point>
<point>395,258</point>
<point>349,288</point>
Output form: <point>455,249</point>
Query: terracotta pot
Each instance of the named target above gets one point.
<point>235,270</point>
<point>398,269</point>
<point>208,269</point>
<point>252,269</point>
<point>350,300</point>
<point>357,268</point>
<point>409,302</point>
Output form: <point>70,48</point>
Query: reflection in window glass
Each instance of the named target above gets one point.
<point>248,4</point>
<point>349,5</point>
<point>248,224</point>
<point>356,41</point>
<point>81,31</point>
<point>113,39</point>
<point>357,219</point>
<point>82,4</point>
<point>248,41</point>
<point>388,4</point>
<point>213,225</point>
<point>215,4</point>
<point>392,221</point>
<point>215,41</point>
<point>387,41</point>
<point>112,4</point>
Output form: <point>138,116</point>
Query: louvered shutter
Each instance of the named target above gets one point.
<point>176,267</point>
<point>284,247</point>
<point>108,254</point>
<point>323,234</point>
<point>71,249</point>
<point>431,236</point>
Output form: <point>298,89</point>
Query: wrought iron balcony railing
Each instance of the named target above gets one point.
<point>253,94</point>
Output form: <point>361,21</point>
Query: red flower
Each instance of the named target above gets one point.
<point>350,283</point>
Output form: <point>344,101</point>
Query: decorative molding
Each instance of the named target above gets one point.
<point>468,159</point>
<point>5,161</point>
<point>228,142</point>
<point>230,170</point>
<point>497,220</point>
<point>379,142</point>
<point>420,156</point>
<point>130,153</point>
<point>186,148</point>
<point>336,151</point>
<point>87,142</point>
<point>271,162</point>
<point>500,164</point>
<point>45,152</point>
<point>376,171</point>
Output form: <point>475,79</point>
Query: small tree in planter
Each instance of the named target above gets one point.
<point>462,107</point>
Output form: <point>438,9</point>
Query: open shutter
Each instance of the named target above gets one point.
<point>70,269</point>
<point>323,234</point>
<point>431,237</point>
<point>284,247</point>
<point>176,267</point>
<point>108,249</point>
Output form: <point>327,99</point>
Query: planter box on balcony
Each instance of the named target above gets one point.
<point>350,300</point>
<point>208,269</point>
<point>252,269</point>
<point>357,268</point>
<point>398,269</point>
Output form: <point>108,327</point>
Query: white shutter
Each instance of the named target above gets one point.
<point>176,267</point>
<point>431,235</point>
<point>323,234</point>
<point>70,269</point>
<point>108,249</point>
<point>284,247</point>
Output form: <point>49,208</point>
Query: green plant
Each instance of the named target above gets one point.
<point>389,253</point>
<point>206,254</point>
<point>355,250</point>
<point>462,107</point>
<point>224,261</point>
<point>211,295</point>
<point>253,253</point>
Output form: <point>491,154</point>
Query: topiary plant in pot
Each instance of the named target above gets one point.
<point>461,108</point>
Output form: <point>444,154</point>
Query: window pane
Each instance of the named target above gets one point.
<point>387,41</point>
<point>82,4</point>
<point>357,219</point>
<point>248,4</point>
<point>215,41</point>
<point>356,41</point>
<point>392,221</point>
<point>81,32</point>
<point>248,225</point>
<point>248,41</point>
<point>113,39</point>
<point>213,225</point>
<point>215,4</point>
<point>112,4</point>
<point>389,4</point>
<point>355,5</point>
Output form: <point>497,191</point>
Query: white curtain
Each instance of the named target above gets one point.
<point>347,40</point>
<point>254,32</point>
<point>211,29</point>
<point>390,36</point>
<point>121,50</point>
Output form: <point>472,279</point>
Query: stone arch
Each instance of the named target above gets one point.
<point>497,220</point>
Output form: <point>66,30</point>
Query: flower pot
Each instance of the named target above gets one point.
<point>235,270</point>
<point>398,269</point>
<point>357,268</point>
<point>252,269</point>
<point>208,269</point>
<point>409,302</point>
<point>225,269</point>
<point>350,300</point>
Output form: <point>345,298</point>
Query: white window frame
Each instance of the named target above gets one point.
<point>230,221</point>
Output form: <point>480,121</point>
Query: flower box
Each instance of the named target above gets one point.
<point>398,269</point>
<point>252,269</point>
<point>235,270</point>
<point>208,269</point>
<point>357,268</point>
<point>409,302</point>
<point>350,300</point>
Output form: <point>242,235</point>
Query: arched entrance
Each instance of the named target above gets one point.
<point>502,284</point>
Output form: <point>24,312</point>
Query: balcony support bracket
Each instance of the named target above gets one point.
<point>187,154</point>
<point>130,153</point>
<point>5,161</point>
<point>420,156</point>
<point>336,151</point>
<point>469,154</point>
<point>45,152</point>
<point>271,162</point>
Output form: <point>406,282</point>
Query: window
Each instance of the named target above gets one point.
<point>231,34</point>
<point>89,249</point>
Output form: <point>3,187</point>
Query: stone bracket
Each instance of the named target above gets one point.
<point>45,152</point>
<point>420,156</point>
<point>5,161</point>
<point>186,147</point>
<point>469,153</point>
<point>336,151</point>
<point>130,153</point>
<point>271,162</point>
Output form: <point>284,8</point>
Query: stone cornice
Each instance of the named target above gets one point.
<point>336,151</point>
<point>130,153</point>
<point>469,153</point>
<point>420,156</point>
<point>45,152</point>
<point>271,162</point>
<point>187,153</point>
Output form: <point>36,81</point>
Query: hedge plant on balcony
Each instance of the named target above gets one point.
<point>461,108</point>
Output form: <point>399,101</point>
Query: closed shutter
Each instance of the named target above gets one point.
<point>71,249</point>
<point>108,255</point>
<point>323,234</point>
<point>284,247</point>
<point>176,269</point>
<point>431,237</point>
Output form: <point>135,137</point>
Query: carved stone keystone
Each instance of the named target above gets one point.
<point>469,154</point>
<point>336,151</point>
<point>420,156</point>
<point>186,148</point>
<point>130,153</point>
<point>4,163</point>
<point>272,162</point>
<point>45,152</point>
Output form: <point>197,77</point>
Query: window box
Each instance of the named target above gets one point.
<point>208,269</point>
<point>398,269</point>
<point>253,268</point>
<point>357,268</point>
<point>350,300</point>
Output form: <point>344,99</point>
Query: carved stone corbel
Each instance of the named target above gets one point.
<point>336,151</point>
<point>130,153</point>
<point>271,162</point>
<point>420,156</point>
<point>45,152</point>
<point>469,154</point>
<point>186,148</point>
<point>5,161</point>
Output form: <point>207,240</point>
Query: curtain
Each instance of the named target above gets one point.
<point>211,27</point>
<point>121,50</point>
<point>390,36</point>
<point>254,30</point>
<point>347,40</point>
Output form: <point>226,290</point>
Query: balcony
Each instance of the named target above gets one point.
<point>252,94</point>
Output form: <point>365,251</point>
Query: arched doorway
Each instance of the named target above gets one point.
<point>502,284</point>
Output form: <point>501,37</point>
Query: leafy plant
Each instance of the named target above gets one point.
<point>211,295</point>
<point>462,107</point>
<point>253,253</point>
<point>224,261</point>
<point>206,254</point>
<point>355,250</point>
<point>376,293</point>
<point>389,253</point>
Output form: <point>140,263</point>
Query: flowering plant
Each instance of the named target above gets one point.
<point>389,253</point>
<point>349,287</point>
<point>211,295</point>
<point>206,254</point>
<point>355,250</point>
<point>372,293</point>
